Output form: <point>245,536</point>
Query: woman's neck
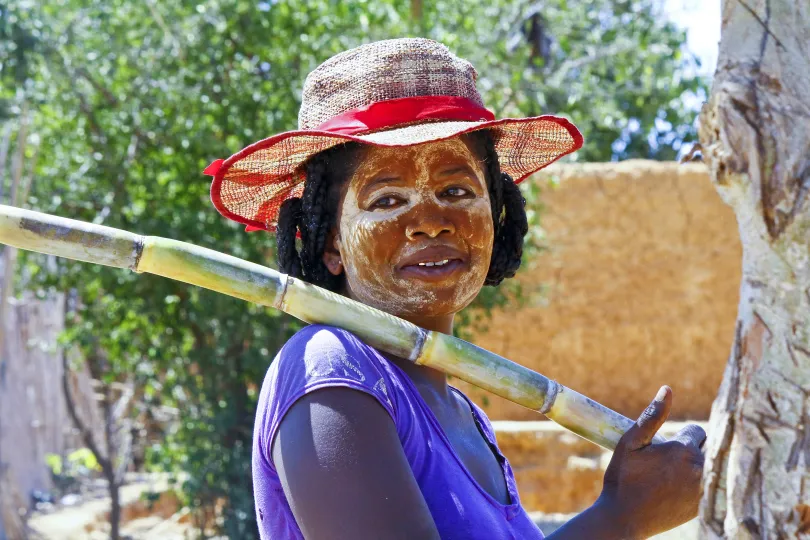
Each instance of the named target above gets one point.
<point>431,383</point>
<point>443,323</point>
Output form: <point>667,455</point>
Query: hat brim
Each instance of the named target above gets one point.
<point>250,186</point>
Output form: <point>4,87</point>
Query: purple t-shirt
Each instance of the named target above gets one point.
<point>321,356</point>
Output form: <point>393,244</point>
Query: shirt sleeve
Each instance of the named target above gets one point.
<point>316,357</point>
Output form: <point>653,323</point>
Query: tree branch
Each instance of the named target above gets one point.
<point>109,97</point>
<point>84,431</point>
<point>762,23</point>
<point>570,65</point>
<point>166,30</point>
<point>4,146</point>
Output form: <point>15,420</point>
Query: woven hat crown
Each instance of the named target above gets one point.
<point>391,93</point>
<point>384,70</point>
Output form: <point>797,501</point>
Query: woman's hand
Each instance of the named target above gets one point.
<point>648,488</point>
<point>654,487</point>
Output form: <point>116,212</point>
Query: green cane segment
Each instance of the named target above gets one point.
<point>72,239</point>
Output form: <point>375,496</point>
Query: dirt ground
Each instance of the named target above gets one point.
<point>88,520</point>
<point>166,520</point>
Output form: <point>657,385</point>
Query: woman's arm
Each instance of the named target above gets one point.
<point>598,521</point>
<point>344,472</point>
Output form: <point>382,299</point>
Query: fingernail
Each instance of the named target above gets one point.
<point>662,393</point>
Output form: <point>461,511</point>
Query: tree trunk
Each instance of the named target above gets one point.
<point>106,461</point>
<point>115,505</point>
<point>755,134</point>
<point>11,523</point>
<point>109,468</point>
<point>416,10</point>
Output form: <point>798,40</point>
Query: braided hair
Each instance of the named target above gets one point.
<point>315,212</point>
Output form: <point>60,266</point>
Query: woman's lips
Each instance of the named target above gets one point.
<point>433,273</point>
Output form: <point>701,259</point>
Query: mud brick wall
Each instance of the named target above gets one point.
<point>641,277</point>
<point>556,471</point>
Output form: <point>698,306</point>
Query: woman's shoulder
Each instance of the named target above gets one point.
<point>318,351</point>
<point>317,357</point>
<point>317,339</point>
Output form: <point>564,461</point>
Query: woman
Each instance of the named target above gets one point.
<point>400,186</point>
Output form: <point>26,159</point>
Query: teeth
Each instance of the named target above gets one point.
<point>439,263</point>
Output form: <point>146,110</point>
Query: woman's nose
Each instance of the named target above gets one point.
<point>431,222</point>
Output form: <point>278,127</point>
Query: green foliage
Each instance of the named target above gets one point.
<point>66,473</point>
<point>615,67</point>
<point>83,458</point>
<point>16,46</point>
<point>133,99</point>
<point>54,463</point>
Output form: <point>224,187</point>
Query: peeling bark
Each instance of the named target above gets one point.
<point>755,135</point>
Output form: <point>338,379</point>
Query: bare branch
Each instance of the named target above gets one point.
<point>19,156</point>
<point>84,431</point>
<point>124,451</point>
<point>29,178</point>
<point>4,145</point>
<point>109,97</point>
<point>569,65</point>
<point>762,23</point>
<point>166,30</point>
<point>9,253</point>
<point>121,405</point>
<point>110,470</point>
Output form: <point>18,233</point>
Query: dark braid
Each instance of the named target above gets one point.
<point>316,221</point>
<point>507,249</point>
<point>289,215</point>
<point>508,213</point>
<point>314,215</point>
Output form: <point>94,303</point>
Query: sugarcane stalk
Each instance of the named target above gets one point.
<point>44,233</point>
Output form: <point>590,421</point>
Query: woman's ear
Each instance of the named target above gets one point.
<point>331,253</point>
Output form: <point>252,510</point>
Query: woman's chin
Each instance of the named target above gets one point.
<point>432,300</point>
<point>419,294</point>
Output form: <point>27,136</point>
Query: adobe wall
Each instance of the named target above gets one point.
<point>642,271</point>
<point>556,471</point>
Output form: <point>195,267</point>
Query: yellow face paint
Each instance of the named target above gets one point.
<point>424,204</point>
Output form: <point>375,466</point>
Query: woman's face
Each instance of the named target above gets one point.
<point>415,229</point>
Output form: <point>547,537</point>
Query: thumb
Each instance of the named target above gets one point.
<point>650,421</point>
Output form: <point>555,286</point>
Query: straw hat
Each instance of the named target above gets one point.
<point>397,92</point>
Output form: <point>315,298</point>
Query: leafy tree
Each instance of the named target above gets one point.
<point>133,99</point>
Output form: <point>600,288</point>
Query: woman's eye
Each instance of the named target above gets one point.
<point>456,192</point>
<point>385,202</point>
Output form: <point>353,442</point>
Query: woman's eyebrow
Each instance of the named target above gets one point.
<point>458,169</point>
<point>381,180</point>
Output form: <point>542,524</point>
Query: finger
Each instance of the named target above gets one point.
<point>691,435</point>
<point>650,421</point>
